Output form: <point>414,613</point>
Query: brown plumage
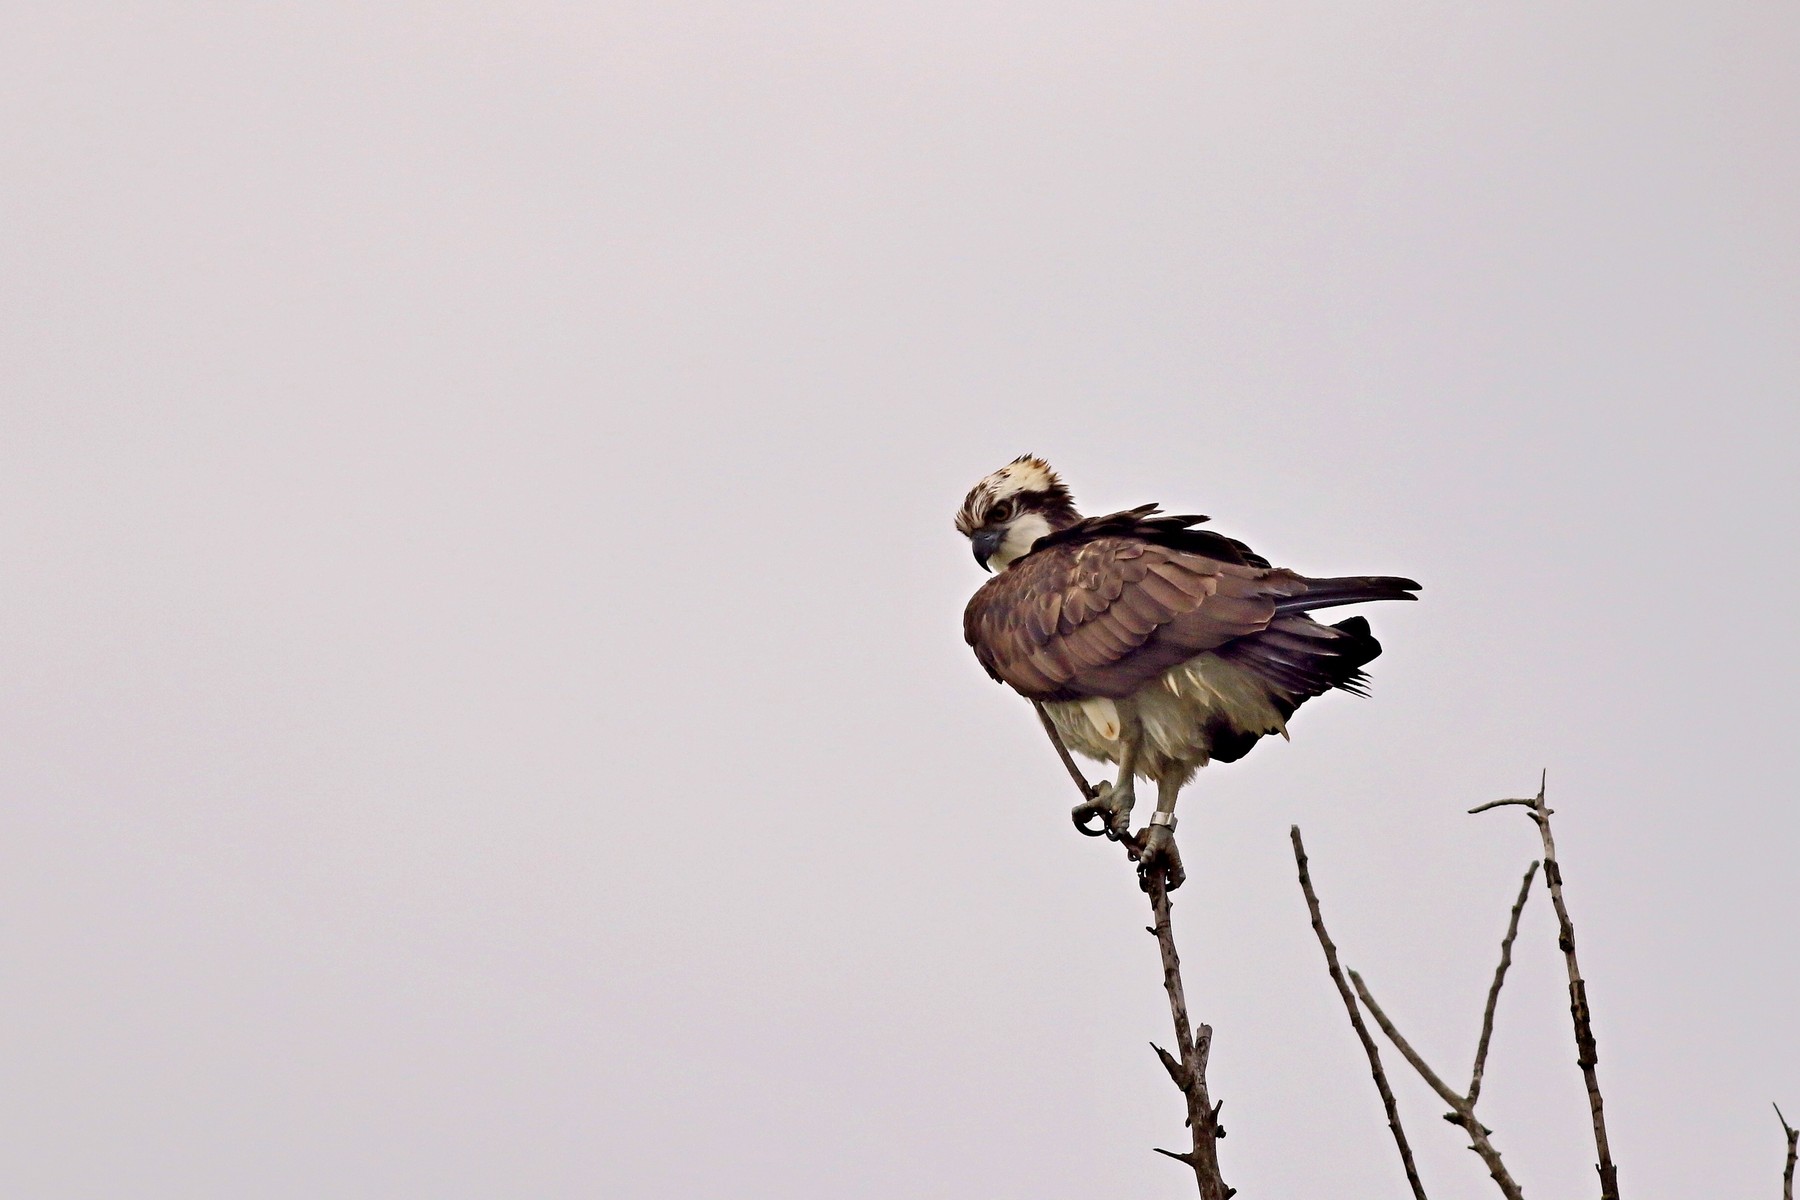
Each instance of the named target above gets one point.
<point>1141,627</point>
<point>1103,607</point>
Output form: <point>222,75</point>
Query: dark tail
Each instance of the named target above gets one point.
<point>1296,658</point>
<point>1350,589</point>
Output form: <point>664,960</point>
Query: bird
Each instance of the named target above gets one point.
<point>1149,642</point>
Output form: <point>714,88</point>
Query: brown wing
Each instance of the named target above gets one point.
<point>1106,616</point>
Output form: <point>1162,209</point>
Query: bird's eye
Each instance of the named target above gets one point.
<point>1001,512</point>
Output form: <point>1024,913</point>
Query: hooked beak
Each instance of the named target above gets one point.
<point>984,542</point>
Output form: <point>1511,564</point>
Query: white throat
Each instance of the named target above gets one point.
<point>1020,534</point>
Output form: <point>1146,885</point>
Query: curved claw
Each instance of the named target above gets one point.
<point>1081,814</point>
<point>1111,806</point>
<point>1159,855</point>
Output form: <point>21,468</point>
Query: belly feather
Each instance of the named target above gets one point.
<point>1184,714</point>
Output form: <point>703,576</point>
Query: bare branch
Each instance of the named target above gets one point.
<point>1793,1153</point>
<point>1587,1052</point>
<point>1461,1112</point>
<point>1356,1021</point>
<point>1062,752</point>
<point>1527,802</point>
<point>1445,1092</point>
<point>1172,1065</point>
<point>1191,1045</point>
<point>1203,1115</point>
<point>1487,1017</point>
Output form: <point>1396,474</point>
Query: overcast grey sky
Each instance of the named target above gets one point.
<point>484,705</point>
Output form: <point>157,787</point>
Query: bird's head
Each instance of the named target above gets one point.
<point>1012,508</point>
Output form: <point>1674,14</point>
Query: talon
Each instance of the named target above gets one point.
<point>1094,806</point>
<point>1111,805</point>
<point>1159,854</point>
<point>1121,800</point>
<point>1081,814</point>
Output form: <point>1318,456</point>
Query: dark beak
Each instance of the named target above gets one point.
<point>985,542</point>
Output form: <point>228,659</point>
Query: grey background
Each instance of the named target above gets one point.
<point>484,707</point>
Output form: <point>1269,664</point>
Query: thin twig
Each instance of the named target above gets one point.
<point>1062,752</point>
<point>1493,1000</point>
<point>1587,1052</point>
<point>1445,1092</point>
<point>1194,1046</point>
<point>1356,1021</point>
<point>1793,1140</point>
<point>1460,1110</point>
<point>1526,802</point>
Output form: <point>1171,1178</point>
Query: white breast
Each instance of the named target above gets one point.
<point>1173,712</point>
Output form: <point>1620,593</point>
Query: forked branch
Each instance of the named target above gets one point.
<point>1356,1021</point>
<point>1462,1112</point>
<point>1462,1108</point>
<point>1587,1053</point>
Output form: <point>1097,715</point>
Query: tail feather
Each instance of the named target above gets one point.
<point>1348,589</point>
<point>1296,659</point>
<point>1299,664</point>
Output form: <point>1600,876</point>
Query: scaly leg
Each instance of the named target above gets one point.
<point>1113,802</point>
<point>1157,840</point>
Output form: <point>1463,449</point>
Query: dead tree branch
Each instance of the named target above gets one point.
<point>1587,1053</point>
<point>1487,1017</point>
<point>1187,1067</point>
<point>1461,1111</point>
<point>1462,1108</point>
<point>1189,1074</point>
<point>1356,1021</point>
<point>1793,1153</point>
<point>1062,752</point>
<point>1527,802</point>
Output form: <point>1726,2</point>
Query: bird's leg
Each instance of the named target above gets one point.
<point>1156,842</point>
<point>1113,802</point>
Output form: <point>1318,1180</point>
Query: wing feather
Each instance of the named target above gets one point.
<point>1157,590</point>
<point>1138,613</point>
<point>1185,577</point>
<point>1105,616</point>
<point>1102,607</point>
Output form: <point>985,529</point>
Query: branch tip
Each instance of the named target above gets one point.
<point>1524,801</point>
<point>1587,1054</point>
<point>1172,1065</point>
<point>1793,1155</point>
<point>1493,1000</point>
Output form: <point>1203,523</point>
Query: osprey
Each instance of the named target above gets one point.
<point>1148,642</point>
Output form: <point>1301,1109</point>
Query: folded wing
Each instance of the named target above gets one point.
<point>1106,613</point>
